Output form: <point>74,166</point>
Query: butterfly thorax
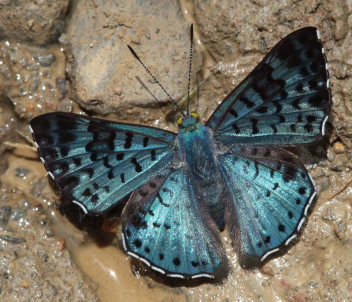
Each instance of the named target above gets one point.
<point>197,149</point>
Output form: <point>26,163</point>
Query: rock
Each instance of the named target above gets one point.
<point>35,22</point>
<point>339,148</point>
<point>105,75</point>
<point>45,60</point>
<point>12,239</point>
<point>5,213</point>
<point>230,29</point>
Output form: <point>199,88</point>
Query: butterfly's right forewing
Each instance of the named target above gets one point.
<point>284,100</point>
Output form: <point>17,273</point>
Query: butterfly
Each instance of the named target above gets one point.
<point>187,186</point>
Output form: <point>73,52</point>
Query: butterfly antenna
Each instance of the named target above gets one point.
<point>190,70</point>
<point>161,86</point>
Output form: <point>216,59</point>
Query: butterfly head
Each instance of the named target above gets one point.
<point>188,121</point>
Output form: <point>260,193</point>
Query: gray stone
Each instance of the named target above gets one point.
<point>22,172</point>
<point>104,72</point>
<point>45,60</point>
<point>5,213</point>
<point>12,239</point>
<point>230,29</point>
<point>36,22</point>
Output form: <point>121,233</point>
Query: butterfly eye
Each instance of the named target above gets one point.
<point>180,121</point>
<point>195,115</point>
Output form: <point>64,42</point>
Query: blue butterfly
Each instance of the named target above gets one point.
<point>186,187</point>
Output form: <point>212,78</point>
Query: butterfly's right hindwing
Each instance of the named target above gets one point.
<point>270,193</point>
<point>94,162</point>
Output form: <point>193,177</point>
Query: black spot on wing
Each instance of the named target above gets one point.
<point>94,198</point>
<point>138,167</point>
<point>106,162</point>
<point>302,190</point>
<point>111,174</point>
<point>262,109</point>
<point>49,153</point>
<point>120,156</point>
<point>256,170</point>
<point>153,155</point>
<point>255,129</point>
<point>233,112</point>
<point>235,128</point>
<point>246,101</point>
<point>64,150</point>
<point>161,200</point>
<point>77,161</point>
<point>122,177</point>
<point>128,140</point>
<point>278,107</point>
<point>281,228</point>
<point>157,225</point>
<point>290,173</point>
<point>68,182</point>
<point>87,192</point>
<point>274,128</point>
<point>137,243</point>
<point>176,261</point>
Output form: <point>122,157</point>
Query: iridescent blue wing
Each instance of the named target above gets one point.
<point>285,100</point>
<point>95,162</point>
<point>270,194</point>
<point>165,227</point>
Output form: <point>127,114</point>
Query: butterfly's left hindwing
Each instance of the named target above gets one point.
<point>284,100</point>
<point>94,162</point>
<point>165,227</point>
<point>270,194</point>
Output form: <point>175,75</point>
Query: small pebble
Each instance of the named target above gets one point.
<point>22,172</point>
<point>5,213</point>
<point>45,60</point>
<point>38,187</point>
<point>25,284</point>
<point>118,91</point>
<point>330,155</point>
<point>18,214</point>
<point>12,239</point>
<point>339,148</point>
<point>62,85</point>
<point>49,233</point>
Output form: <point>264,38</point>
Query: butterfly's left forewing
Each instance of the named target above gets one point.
<point>95,162</point>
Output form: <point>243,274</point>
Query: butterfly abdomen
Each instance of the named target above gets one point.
<point>197,150</point>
